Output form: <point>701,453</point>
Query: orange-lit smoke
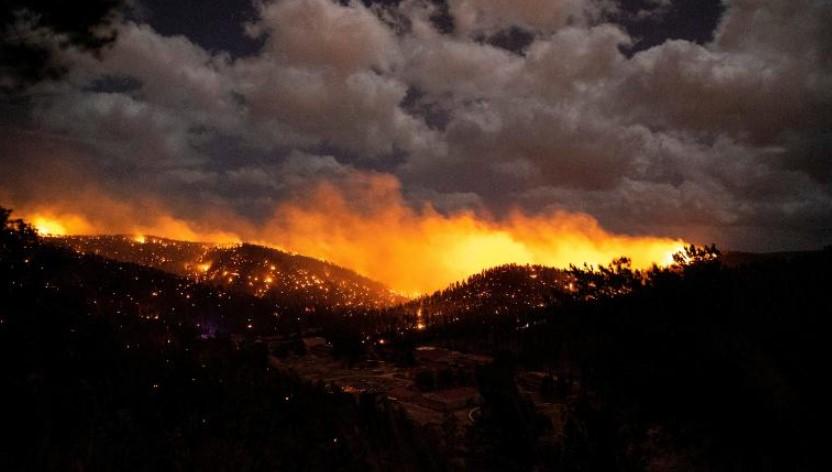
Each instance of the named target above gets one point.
<point>369,228</point>
<point>421,251</point>
<point>93,213</point>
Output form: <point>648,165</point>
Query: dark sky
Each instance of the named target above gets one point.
<point>216,25</point>
<point>706,120</point>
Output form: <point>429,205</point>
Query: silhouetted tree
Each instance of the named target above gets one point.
<point>505,435</point>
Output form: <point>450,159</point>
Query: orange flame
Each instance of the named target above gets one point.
<point>49,224</point>
<point>421,251</point>
<point>369,228</point>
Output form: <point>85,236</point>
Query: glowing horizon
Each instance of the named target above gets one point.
<point>410,251</point>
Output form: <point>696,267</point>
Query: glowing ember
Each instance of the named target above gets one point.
<point>139,238</point>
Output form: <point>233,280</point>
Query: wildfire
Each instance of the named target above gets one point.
<point>418,251</point>
<point>58,224</point>
<point>369,228</point>
<point>48,227</point>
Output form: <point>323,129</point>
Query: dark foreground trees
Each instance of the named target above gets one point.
<point>698,366</point>
<point>86,388</point>
<point>695,367</point>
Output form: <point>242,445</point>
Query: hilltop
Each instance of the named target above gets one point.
<point>289,281</point>
<point>109,365</point>
<point>509,289</point>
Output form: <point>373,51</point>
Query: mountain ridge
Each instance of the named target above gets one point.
<point>291,280</point>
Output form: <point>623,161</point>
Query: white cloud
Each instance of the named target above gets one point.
<point>489,16</point>
<point>714,140</point>
<point>324,34</point>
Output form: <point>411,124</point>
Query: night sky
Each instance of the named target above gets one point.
<point>703,120</point>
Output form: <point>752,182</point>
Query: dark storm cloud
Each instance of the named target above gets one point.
<point>705,120</point>
<point>86,26</point>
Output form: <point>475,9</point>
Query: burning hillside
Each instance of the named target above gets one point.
<point>291,281</point>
